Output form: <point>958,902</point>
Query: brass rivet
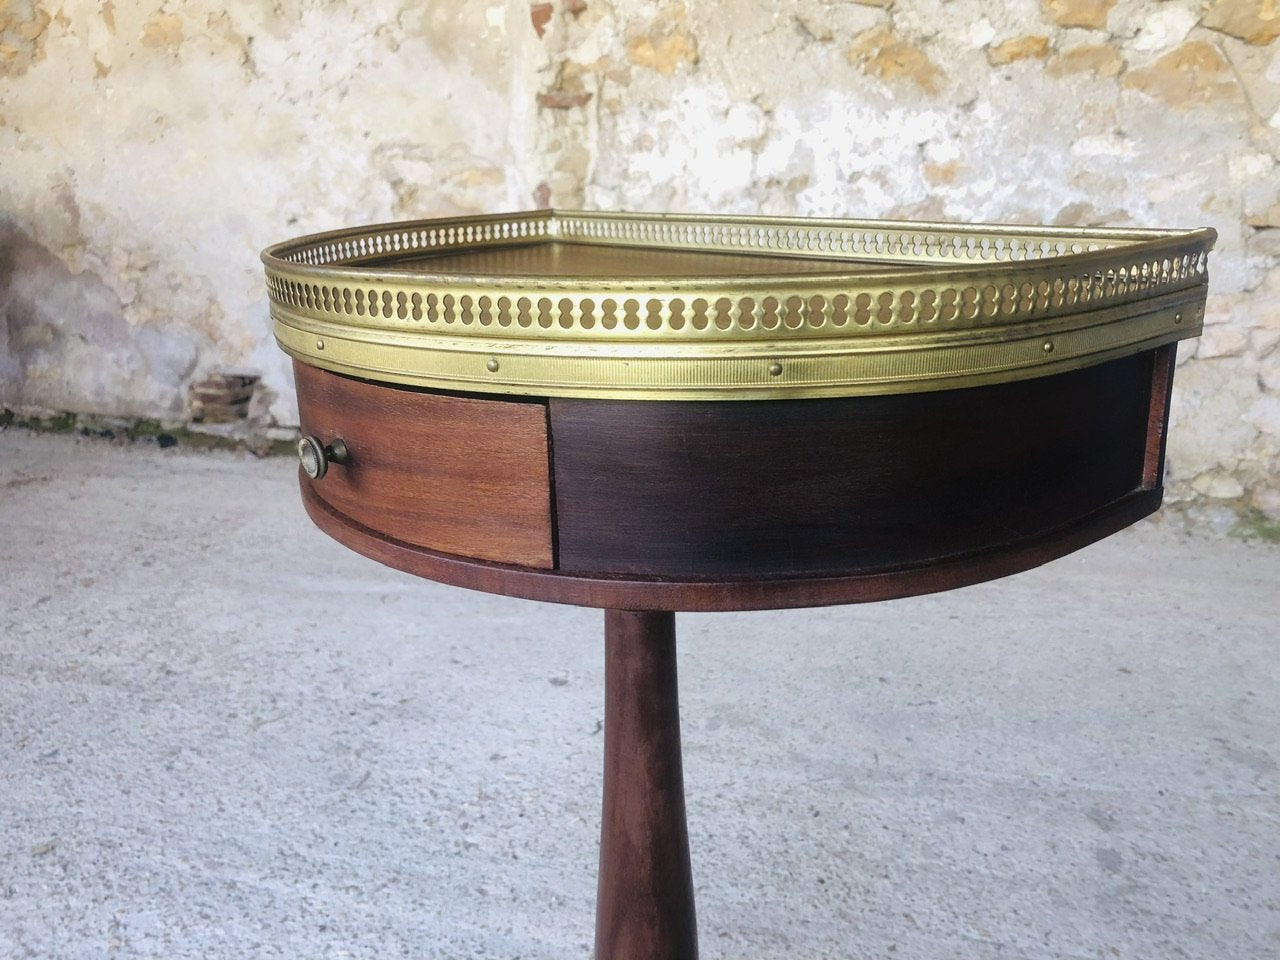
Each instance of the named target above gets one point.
<point>775,369</point>
<point>1048,346</point>
<point>1177,318</point>
<point>319,344</point>
<point>492,365</point>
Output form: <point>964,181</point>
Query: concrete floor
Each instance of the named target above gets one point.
<point>224,736</point>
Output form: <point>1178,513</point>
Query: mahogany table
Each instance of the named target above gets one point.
<point>655,413</point>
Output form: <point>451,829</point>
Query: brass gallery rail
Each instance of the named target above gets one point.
<point>728,307</point>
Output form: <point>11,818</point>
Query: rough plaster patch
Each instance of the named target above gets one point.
<point>1264,414</point>
<point>163,31</point>
<point>1208,426</point>
<point>1222,341</point>
<point>1218,485</point>
<point>981,33</point>
<point>1163,27</point>
<point>23,28</point>
<point>217,128</point>
<point>422,179</point>
<point>1263,343</point>
<point>66,345</point>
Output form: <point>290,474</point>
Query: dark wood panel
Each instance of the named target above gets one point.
<point>657,593</point>
<point>694,490</point>
<point>454,474</point>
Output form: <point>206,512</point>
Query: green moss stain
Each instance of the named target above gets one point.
<point>1254,525</point>
<point>144,431</point>
<point>54,423</point>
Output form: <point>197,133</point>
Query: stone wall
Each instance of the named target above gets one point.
<point>149,152</point>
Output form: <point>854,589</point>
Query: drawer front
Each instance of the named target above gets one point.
<point>458,475</point>
<point>706,489</point>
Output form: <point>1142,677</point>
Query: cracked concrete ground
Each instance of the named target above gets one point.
<point>224,736</point>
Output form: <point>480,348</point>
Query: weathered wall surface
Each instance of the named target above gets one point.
<point>150,152</point>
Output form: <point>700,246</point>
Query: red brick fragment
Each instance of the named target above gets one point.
<point>540,14</point>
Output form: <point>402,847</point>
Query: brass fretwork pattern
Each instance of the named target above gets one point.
<point>919,307</point>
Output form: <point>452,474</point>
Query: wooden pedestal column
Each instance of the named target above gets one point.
<point>645,907</point>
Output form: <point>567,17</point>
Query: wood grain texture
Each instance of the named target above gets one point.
<point>757,489</point>
<point>459,475</point>
<point>657,593</point>
<point>644,905</point>
<point>1163,362</point>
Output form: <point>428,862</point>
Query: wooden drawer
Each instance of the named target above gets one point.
<point>850,485</point>
<point>458,475</point>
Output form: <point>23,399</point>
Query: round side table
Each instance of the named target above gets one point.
<point>652,413</point>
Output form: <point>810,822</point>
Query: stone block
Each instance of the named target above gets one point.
<point>1253,21</point>
<point>882,54</point>
<point>1091,14</point>
<point>1097,59</point>
<point>1195,74</point>
<point>1018,48</point>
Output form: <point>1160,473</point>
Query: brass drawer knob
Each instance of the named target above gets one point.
<point>315,456</point>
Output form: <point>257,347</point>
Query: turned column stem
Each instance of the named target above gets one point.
<point>644,909</point>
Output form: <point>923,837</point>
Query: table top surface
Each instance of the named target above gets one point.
<point>560,260</point>
<point>666,307</point>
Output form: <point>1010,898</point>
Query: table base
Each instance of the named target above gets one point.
<point>644,908</point>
